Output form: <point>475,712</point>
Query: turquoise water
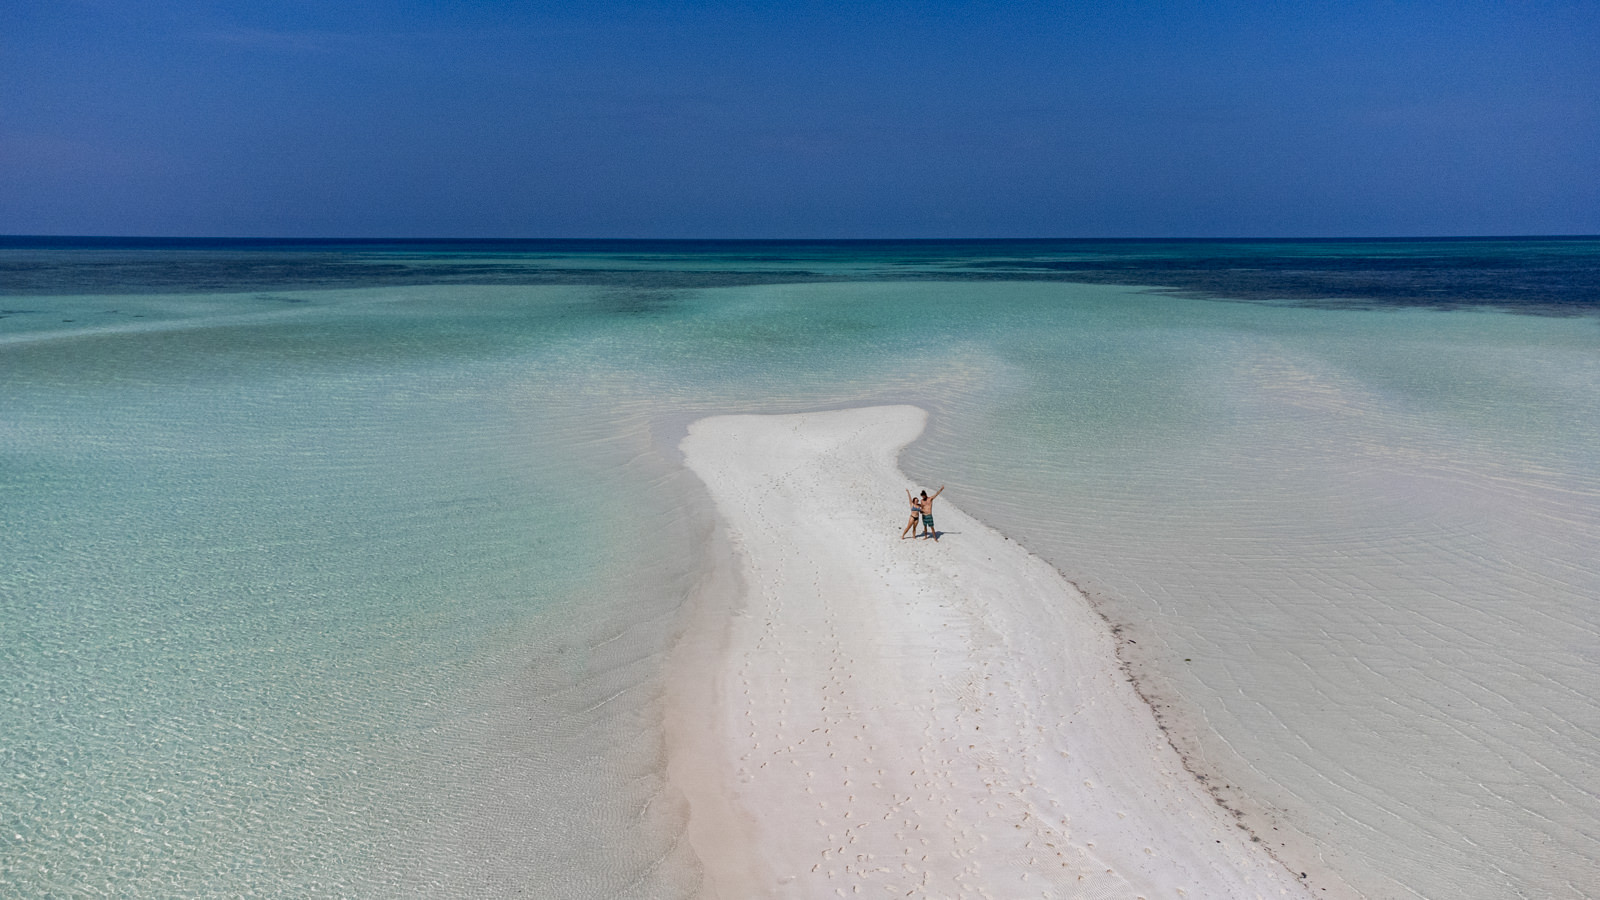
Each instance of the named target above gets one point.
<point>1355,555</point>
<point>365,589</point>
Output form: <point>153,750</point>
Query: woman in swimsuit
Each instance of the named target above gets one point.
<point>916,510</point>
<point>926,508</point>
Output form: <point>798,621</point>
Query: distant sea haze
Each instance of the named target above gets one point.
<point>351,567</point>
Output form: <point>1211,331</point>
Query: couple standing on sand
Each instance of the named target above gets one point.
<point>921,506</point>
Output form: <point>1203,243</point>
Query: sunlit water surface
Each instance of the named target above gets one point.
<point>366,590</point>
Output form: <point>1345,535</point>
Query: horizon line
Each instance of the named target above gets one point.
<point>327,239</point>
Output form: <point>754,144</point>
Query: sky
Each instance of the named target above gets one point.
<point>389,118</point>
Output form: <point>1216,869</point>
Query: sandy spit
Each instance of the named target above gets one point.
<point>853,714</point>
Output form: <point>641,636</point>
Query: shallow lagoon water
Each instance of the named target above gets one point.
<point>1352,555</point>
<point>365,590</point>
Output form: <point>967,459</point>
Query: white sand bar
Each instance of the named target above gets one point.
<point>892,718</point>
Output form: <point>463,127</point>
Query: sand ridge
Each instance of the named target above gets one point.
<point>886,717</point>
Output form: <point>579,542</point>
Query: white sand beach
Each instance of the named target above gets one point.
<point>861,715</point>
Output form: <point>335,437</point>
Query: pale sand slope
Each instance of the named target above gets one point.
<point>890,718</point>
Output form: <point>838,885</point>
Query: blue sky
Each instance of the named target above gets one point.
<point>832,120</point>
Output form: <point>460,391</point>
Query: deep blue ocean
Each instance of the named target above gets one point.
<point>1553,276</point>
